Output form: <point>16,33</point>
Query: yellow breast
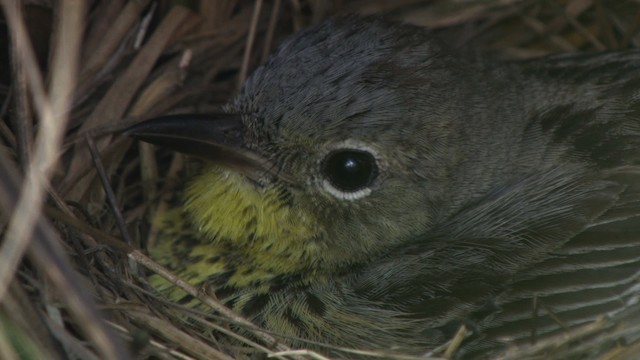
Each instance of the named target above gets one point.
<point>230,226</point>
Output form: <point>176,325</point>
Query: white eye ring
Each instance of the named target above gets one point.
<point>361,158</point>
<point>350,196</point>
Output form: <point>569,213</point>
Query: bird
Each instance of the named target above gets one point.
<point>371,188</point>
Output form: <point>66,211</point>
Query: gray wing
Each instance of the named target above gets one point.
<point>548,250</point>
<point>597,272</point>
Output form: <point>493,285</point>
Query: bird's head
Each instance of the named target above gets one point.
<point>338,148</point>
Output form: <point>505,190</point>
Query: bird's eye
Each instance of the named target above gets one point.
<point>349,170</point>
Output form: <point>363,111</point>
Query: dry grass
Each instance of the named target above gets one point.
<point>76,197</point>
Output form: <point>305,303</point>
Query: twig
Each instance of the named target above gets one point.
<point>145,261</point>
<point>154,343</point>
<point>111,197</point>
<point>271,29</point>
<point>72,344</point>
<point>24,221</point>
<point>309,353</point>
<point>45,252</point>
<point>454,345</point>
<point>178,336</point>
<point>52,124</point>
<point>238,337</point>
<point>297,15</point>
<point>251,36</point>
<point>108,41</point>
<point>113,105</point>
<point>4,129</point>
<point>22,120</point>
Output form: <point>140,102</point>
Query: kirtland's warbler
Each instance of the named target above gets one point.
<point>370,188</point>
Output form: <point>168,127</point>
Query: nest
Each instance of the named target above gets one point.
<point>76,197</point>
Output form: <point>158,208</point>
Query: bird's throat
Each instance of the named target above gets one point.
<point>252,230</point>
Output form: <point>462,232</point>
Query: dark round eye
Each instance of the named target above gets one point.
<point>350,170</point>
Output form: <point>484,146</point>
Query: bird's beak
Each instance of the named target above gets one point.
<point>217,138</point>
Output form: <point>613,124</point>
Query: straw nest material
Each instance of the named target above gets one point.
<point>76,197</point>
